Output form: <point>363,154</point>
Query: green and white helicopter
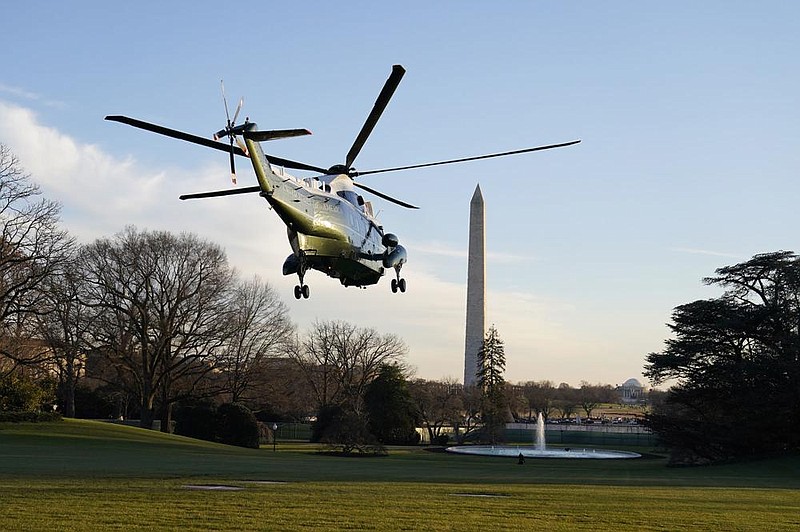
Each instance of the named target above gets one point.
<point>331,228</point>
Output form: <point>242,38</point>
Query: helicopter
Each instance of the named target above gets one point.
<point>330,227</point>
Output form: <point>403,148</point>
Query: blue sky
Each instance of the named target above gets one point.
<point>688,115</point>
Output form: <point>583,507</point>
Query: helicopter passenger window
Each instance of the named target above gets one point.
<point>352,198</point>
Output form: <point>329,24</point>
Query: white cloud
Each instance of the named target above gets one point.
<point>16,91</point>
<point>444,250</point>
<point>21,93</point>
<point>694,251</point>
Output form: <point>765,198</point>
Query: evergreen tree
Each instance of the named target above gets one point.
<point>736,361</point>
<point>491,367</point>
<point>390,409</point>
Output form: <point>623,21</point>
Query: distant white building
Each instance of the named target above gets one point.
<point>631,391</point>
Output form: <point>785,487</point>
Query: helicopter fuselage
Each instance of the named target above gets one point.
<point>330,227</point>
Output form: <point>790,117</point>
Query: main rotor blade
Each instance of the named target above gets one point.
<point>203,141</point>
<point>174,133</point>
<point>241,144</point>
<point>238,108</point>
<point>261,136</point>
<point>233,164</point>
<point>287,163</point>
<point>380,104</point>
<point>218,193</point>
<point>225,102</point>
<point>451,161</point>
<point>384,196</point>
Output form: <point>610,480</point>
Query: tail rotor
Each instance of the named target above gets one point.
<point>230,132</point>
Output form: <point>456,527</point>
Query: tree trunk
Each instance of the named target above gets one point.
<point>147,416</point>
<point>69,389</point>
<point>166,417</point>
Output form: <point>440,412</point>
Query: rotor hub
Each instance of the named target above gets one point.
<point>337,169</point>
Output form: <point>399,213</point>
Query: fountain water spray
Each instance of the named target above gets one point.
<point>539,440</point>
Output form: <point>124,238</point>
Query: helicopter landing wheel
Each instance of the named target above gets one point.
<point>301,291</point>
<point>398,284</point>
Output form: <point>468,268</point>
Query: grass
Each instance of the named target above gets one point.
<point>88,476</point>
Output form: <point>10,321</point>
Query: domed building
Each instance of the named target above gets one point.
<point>631,391</point>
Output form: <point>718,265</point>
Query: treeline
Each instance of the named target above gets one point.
<point>446,405</point>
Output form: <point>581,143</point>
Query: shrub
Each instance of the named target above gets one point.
<point>92,404</point>
<point>441,440</point>
<point>328,416</point>
<point>29,417</point>
<point>197,420</point>
<point>344,432</point>
<point>20,394</point>
<point>236,425</point>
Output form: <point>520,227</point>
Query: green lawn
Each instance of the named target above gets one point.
<point>81,475</point>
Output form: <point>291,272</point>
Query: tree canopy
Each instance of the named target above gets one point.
<point>390,409</point>
<point>162,301</point>
<point>339,359</point>
<point>736,363</point>
<point>33,249</point>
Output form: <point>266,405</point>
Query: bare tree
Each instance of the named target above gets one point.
<point>33,248</point>
<point>517,402</point>
<point>339,360</point>
<point>65,329</point>
<point>162,302</point>
<point>280,390</point>
<point>541,398</point>
<point>471,419</point>
<point>590,396</point>
<point>439,404</point>
<point>259,329</point>
<point>566,400</point>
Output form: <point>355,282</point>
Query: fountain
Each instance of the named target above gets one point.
<point>539,441</point>
<point>539,449</point>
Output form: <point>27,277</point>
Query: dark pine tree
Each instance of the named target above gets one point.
<point>736,363</point>
<point>490,380</point>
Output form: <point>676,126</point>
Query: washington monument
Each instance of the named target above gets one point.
<point>476,288</point>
